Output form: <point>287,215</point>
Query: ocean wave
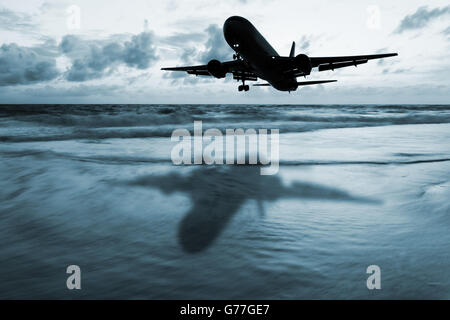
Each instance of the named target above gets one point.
<point>102,116</point>
<point>137,160</point>
<point>35,123</point>
<point>165,131</point>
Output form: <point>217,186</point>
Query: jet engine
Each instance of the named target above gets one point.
<point>303,63</point>
<point>216,69</point>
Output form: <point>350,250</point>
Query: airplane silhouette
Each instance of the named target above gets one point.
<point>256,58</point>
<point>218,192</point>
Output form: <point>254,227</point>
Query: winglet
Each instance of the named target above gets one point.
<point>292,54</point>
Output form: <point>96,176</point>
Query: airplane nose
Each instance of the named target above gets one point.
<point>228,24</point>
<point>234,20</point>
<point>233,26</point>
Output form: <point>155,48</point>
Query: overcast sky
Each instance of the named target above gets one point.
<point>82,51</point>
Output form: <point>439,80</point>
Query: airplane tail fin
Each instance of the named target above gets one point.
<point>292,54</point>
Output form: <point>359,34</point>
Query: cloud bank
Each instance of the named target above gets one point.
<point>23,65</point>
<point>421,18</point>
<point>93,60</point>
<point>89,59</point>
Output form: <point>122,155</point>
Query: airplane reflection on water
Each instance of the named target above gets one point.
<point>218,192</point>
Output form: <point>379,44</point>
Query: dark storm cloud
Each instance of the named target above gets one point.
<point>200,47</point>
<point>26,65</point>
<point>90,59</point>
<point>21,65</point>
<point>10,20</point>
<point>216,46</point>
<point>304,43</point>
<point>95,59</point>
<point>421,18</point>
<point>189,55</point>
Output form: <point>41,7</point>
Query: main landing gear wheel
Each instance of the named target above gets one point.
<point>243,87</point>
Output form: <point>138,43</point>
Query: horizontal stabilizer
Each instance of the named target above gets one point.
<point>307,83</point>
<point>303,83</point>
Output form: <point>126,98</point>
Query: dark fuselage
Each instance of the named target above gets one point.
<point>254,49</point>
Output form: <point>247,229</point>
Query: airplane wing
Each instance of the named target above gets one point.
<point>238,68</point>
<point>331,63</point>
<point>196,70</point>
<point>290,65</point>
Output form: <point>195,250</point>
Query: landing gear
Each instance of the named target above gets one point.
<point>243,88</point>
